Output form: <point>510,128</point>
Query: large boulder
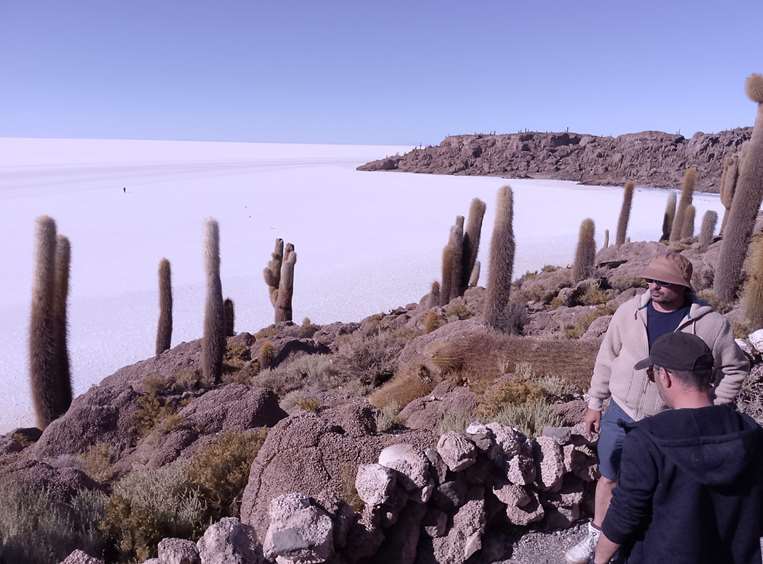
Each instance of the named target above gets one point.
<point>81,557</point>
<point>228,542</point>
<point>299,531</point>
<point>446,399</point>
<point>412,468</point>
<point>316,454</point>
<point>178,551</point>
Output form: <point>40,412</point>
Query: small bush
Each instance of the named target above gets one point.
<point>388,418</point>
<point>187,380</point>
<point>431,321</point>
<point>152,409</point>
<point>150,504</point>
<point>529,417</point>
<point>458,309</point>
<point>315,371</point>
<point>98,462</point>
<point>266,354</point>
<point>454,420</point>
<point>578,330</point>
<point>220,470</point>
<point>373,359</point>
<point>37,528</point>
<point>308,404</point>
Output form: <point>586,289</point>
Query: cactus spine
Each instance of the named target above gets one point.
<point>687,192</point>
<point>213,342</point>
<point>471,243</point>
<point>447,273</point>
<point>62,398</point>
<point>667,219</point>
<point>501,262</point>
<point>286,285</point>
<point>42,334</point>
<point>625,213</point>
<point>709,220</point>
<point>585,252</point>
<point>230,317</point>
<point>475,277</point>
<point>745,205</point>
<point>728,185</point>
<point>687,230</point>
<point>753,289</point>
<point>164,328</point>
<point>456,242</point>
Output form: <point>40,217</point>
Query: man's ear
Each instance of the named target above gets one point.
<point>667,378</point>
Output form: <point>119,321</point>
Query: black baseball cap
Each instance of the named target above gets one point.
<point>679,351</point>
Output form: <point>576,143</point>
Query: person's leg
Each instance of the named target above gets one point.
<point>609,450</point>
<point>604,489</point>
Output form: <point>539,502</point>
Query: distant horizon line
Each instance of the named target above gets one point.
<point>240,142</point>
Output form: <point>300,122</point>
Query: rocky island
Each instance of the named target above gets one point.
<point>649,158</point>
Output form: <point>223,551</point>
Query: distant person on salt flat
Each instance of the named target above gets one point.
<point>690,489</point>
<point>124,189</point>
<point>669,305</point>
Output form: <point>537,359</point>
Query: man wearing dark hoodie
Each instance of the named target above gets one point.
<point>690,488</point>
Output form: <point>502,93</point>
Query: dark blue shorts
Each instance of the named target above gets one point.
<point>611,435</point>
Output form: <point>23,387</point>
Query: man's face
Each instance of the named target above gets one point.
<point>665,293</point>
<point>656,374</point>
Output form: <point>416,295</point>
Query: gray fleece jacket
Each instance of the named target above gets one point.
<point>625,343</point>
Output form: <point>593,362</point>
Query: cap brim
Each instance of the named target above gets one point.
<point>646,363</point>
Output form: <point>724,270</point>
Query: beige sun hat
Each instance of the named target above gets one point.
<point>672,267</point>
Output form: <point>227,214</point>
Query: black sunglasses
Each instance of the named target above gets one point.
<point>659,283</point>
<point>650,370</point>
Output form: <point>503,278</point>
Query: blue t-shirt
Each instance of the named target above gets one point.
<point>658,323</point>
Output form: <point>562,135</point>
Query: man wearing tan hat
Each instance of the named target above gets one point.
<point>669,305</point>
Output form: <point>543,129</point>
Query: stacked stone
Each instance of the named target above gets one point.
<point>435,505</point>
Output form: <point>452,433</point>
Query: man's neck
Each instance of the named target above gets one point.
<point>692,400</point>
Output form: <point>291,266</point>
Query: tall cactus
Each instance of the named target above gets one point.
<point>745,205</point>
<point>230,317</point>
<point>472,235</point>
<point>585,253</point>
<point>42,334</point>
<point>606,239</point>
<point>707,229</point>
<point>456,242</point>
<point>501,262</point>
<point>667,219</point>
<point>286,285</point>
<point>164,327</point>
<point>63,379</point>
<point>687,230</point>
<point>753,290</point>
<point>475,275</point>
<point>447,273</point>
<point>213,342</point>
<point>687,193</point>
<point>625,213</point>
<point>280,290</point>
<point>272,272</point>
<point>433,298</point>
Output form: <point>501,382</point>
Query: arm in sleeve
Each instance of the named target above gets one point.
<point>733,364</point>
<point>632,499</point>
<point>602,370</point>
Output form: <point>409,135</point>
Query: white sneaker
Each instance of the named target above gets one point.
<point>582,552</point>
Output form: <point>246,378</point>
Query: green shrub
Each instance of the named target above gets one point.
<point>36,527</point>
<point>308,404</point>
<point>152,410</point>
<point>388,418</point>
<point>529,417</point>
<point>98,460</point>
<point>219,470</point>
<point>454,420</point>
<point>148,505</point>
<point>305,371</point>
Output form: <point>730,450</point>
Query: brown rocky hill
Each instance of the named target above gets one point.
<point>651,158</point>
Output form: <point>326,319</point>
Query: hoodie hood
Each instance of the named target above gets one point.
<point>713,445</point>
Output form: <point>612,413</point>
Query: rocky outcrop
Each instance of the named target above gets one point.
<point>317,455</point>
<point>650,158</point>
<point>423,505</point>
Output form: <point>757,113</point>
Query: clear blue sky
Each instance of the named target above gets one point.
<point>372,72</point>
